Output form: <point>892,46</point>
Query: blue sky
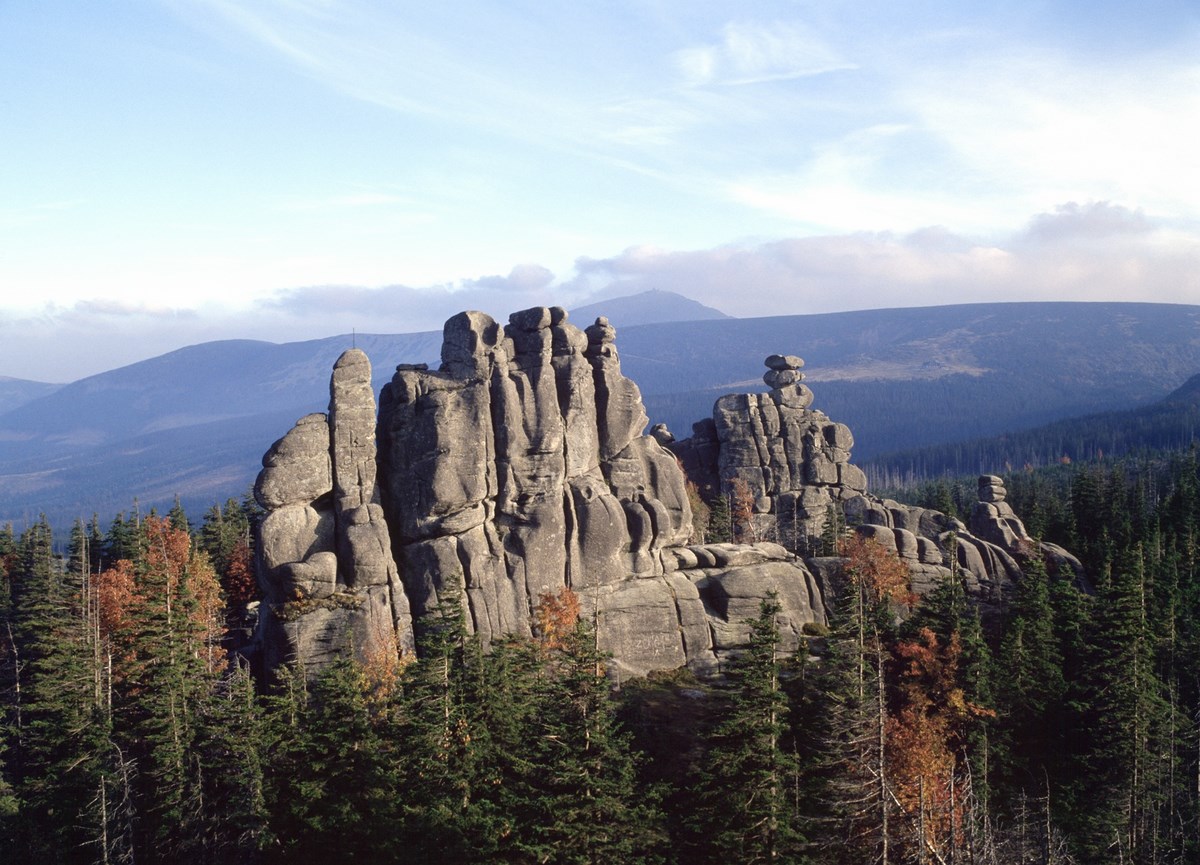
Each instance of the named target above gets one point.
<point>178,170</point>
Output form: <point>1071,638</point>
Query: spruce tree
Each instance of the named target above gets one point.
<point>233,824</point>
<point>331,793</point>
<point>587,807</point>
<point>858,788</point>
<point>748,809</point>
<point>435,723</point>
<point>1126,717</point>
<point>61,737</point>
<point>162,672</point>
<point>1031,691</point>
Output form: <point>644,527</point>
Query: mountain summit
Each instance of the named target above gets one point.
<point>649,307</point>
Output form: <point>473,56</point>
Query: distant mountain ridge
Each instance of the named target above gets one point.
<point>15,392</point>
<point>197,421</point>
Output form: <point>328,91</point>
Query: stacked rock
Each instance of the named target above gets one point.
<point>993,518</point>
<point>785,380</point>
<point>791,461</point>
<point>601,337</point>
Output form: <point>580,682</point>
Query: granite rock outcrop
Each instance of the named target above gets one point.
<point>324,554</point>
<point>521,466</point>
<point>790,466</point>
<point>517,468</point>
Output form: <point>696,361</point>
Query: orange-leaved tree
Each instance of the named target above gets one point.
<point>876,582</point>
<point>742,511</point>
<point>926,738</point>
<point>555,617</point>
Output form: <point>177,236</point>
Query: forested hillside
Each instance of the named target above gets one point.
<point>904,734</point>
<point>1170,424</point>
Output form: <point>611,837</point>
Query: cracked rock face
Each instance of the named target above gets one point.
<point>790,464</point>
<point>324,549</point>
<point>516,468</point>
<point>792,461</point>
<point>521,466</point>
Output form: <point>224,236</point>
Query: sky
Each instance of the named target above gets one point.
<point>178,171</point>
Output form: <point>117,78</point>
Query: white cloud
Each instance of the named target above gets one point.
<point>1084,252</point>
<point>756,52</point>
<point>1104,128</point>
<point>1077,251</point>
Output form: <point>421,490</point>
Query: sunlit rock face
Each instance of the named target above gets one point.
<point>325,557</point>
<point>521,466</point>
<point>517,468</point>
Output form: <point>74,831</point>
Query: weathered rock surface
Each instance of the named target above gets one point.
<point>325,553</point>
<point>791,461</point>
<point>520,466</point>
<point>791,465</point>
<point>516,468</point>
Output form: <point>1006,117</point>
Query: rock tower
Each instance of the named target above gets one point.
<point>520,466</point>
<point>516,468</point>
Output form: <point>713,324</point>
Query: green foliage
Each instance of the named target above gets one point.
<point>58,740</point>
<point>588,807</point>
<point>720,520</point>
<point>750,769</point>
<point>1028,744</point>
<point>142,745</point>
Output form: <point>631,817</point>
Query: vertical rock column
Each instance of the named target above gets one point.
<point>365,563</point>
<point>993,518</point>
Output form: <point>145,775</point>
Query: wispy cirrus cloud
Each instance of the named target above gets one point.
<point>346,201</point>
<point>754,52</point>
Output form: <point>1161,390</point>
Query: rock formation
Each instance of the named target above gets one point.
<point>325,559</point>
<point>792,461</point>
<point>520,467</point>
<point>516,468</point>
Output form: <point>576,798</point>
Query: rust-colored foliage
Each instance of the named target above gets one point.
<point>114,595</point>
<point>875,569</point>
<point>167,551</point>
<point>238,580</point>
<point>742,510</point>
<point>210,605</point>
<point>926,736</point>
<point>382,665</point>
<point>701,515</point>
<point>168,559</point>
<point>555,617</point>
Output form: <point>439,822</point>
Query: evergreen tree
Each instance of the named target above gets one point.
<point>331,793</point>
<point>440,764</point>
<point>1126,718</point>
<point>162,673</point>
<point>964,702</point>
<point>587,806</point>
<point>61,740</point>
<point>720,520</point>
<point>9,690</point>
<point>1031,691</point>
<point>233,822</point>
<point>123,539</point>
<point>177,519</point>
<point>748,810</point>
<point>859,789</point>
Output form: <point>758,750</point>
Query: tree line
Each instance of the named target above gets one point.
<point>904,732</point>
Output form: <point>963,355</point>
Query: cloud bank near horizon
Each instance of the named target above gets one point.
<point>1081,252</point>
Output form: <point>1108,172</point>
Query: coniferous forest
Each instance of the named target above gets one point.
<point>132,731</point>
